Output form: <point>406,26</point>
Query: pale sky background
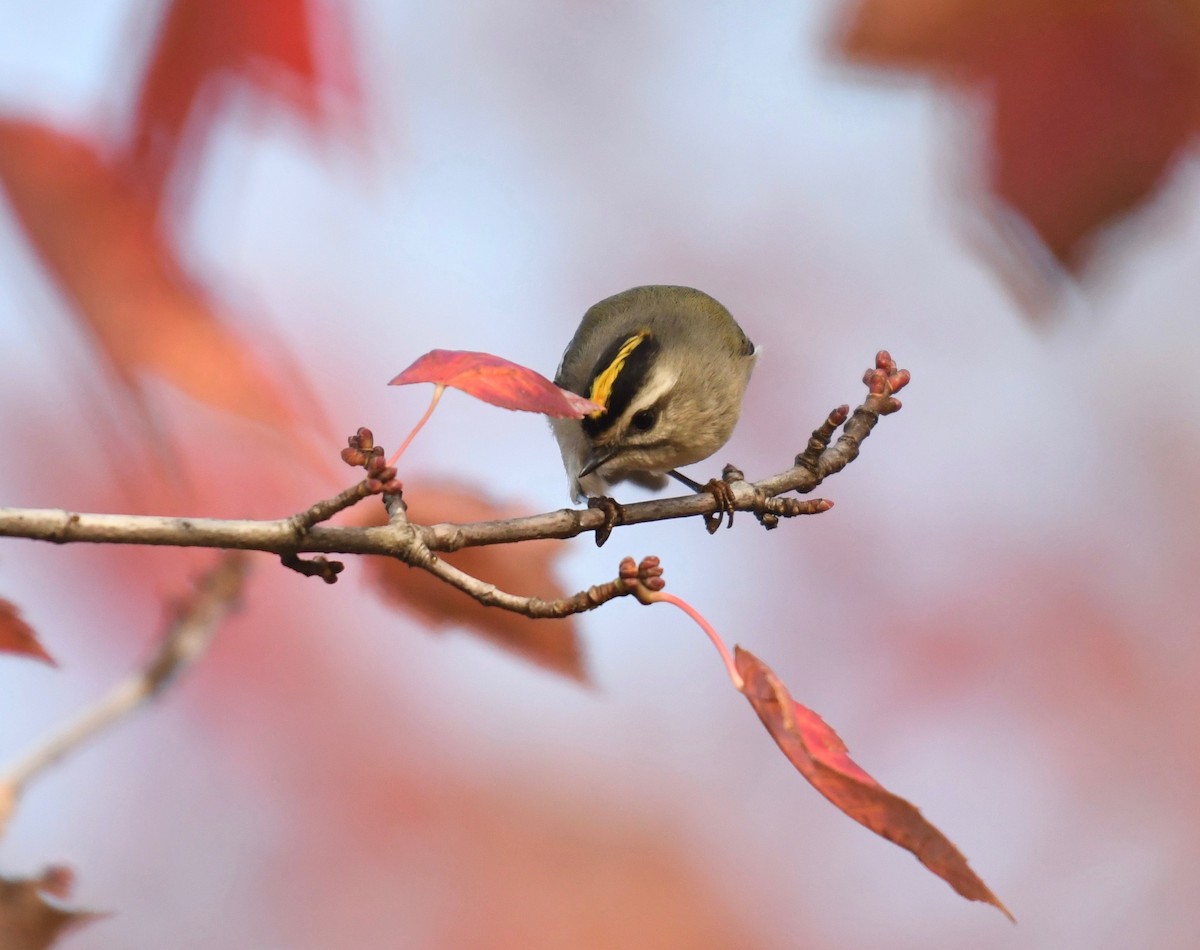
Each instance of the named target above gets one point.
<point>526,160</point>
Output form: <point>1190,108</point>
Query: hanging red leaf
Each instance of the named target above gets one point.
<point>202,45</point>
<point>16,636</point>
<point>1091,102</point>
<point>104,250</point>
<point>497,381</point>
<point>552,644</point>
<point>822,758</point>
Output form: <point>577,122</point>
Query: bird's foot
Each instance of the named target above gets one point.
<point>723,493</point>
<point>614,514</point>
<point>721,490</point>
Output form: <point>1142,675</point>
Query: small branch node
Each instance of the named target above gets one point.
<point>359,448</point>
<point>397,510</point>
<point>820,439</point>
<point>319,566</point>
<point>650,573</point>
<point>643,579</point>
<point>883,382</point>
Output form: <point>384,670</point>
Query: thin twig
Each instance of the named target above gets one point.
<point>303,521</point>
<point>491,596</point>
<point>185,641</point>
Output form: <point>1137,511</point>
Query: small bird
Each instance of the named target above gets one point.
<point>669,366</point>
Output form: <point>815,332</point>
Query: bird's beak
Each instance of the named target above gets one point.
<point>597,458</point>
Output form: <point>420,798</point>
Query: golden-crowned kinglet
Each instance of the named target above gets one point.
<point>669,365</point>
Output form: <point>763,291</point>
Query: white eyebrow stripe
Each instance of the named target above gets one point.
<point>663,381</point>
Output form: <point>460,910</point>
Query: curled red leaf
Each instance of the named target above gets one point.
<point>822,758</point>
<point>16,636</point>
<point>496,381</point>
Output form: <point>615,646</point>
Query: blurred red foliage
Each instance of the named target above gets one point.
<point>27,920</point>
<point>295,51</point>
<point>103,248</point>
<point>1091,103</point>
<point>16,636</point>
<point>553,644</point>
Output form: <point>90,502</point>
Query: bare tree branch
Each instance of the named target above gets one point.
<point>491,596</point>
<point>303,534</point>
<point>281,537</point>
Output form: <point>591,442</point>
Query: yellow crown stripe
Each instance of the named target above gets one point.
<point>603,384</point>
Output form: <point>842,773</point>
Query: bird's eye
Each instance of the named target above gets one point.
<point>644,420</point>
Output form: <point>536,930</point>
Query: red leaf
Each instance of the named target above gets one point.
<point>16,636</point>
<point>552,644</point>
<point>201,45</point>
<point>27,922</point>
<point>821,757</point>
<point>495,380</point>
<point>103,248</point>
<point>1091,102</point>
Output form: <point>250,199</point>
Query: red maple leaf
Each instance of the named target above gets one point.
<point>496,381</point>
<point>820,756</point>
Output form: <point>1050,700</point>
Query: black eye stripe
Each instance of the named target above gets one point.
<point>630,379</point>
